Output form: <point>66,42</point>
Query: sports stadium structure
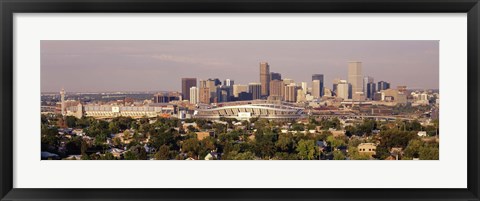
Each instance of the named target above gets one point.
<point>244,110</point>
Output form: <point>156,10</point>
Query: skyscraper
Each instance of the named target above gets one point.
<point>264,79</point>
<point>343,89</point>
<point>319,77</point>
<point>228,82</point>
<point>335,83</point>
<point>316,88</point>
<point>371,89</point>
<point>204,94</point>
<point>355,76</point>
<point>366,80</point>
<point>194,95</point>
<point>290,94</point>
<point>304,87</point>
<point>275,76</point>
<point>256,90</point>
<point>288,81</point>
<point>382,85</point>
<point>187,83</point>
<point>237,89</point>
<point>223,93</point>
<point>276,88</point>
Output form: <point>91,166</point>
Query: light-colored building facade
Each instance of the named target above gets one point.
<point>237,88</point>
<point>355,76</point>
<point>342,89</point>
<point>367,148</point>
<point>305,87</point>
<point>194,95</point>
<point>290,94</point>
<point>316,88</point>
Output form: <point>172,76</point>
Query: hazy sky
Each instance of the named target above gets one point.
<point>96,66</point>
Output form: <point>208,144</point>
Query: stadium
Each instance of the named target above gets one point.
<point>244,110</point>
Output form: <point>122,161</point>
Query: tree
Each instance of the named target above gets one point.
<point>126,135</point>
<point>242,156</point>
<point>335,142</point>
<point>108,156</point>
<point>285,142</point>
<point>163,153</point>
<point>338,155</point>
<point>128,155</point>
<point>138,152</point>
<point>191,145</point>
<point>306,149</point>
<point>298,127</point>
<point>113,127</point>
<point>71,121</point>
<point>265,144</point>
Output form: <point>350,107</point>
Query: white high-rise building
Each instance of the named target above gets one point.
<point>342,89</point>
<point>316,90</point>
<point>194,95</point>
<point>228,82</point>
<point>304,87</point>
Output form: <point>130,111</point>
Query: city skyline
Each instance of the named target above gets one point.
<point>101,66</point>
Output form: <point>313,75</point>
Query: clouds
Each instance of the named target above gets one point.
<point>159,65</point>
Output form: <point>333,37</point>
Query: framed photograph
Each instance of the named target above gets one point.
<point>264,100</point>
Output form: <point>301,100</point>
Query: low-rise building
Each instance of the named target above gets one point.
<point>367,148</point>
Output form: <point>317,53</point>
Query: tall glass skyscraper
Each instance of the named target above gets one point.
<point>319,77</point>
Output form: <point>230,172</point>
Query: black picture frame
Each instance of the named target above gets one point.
<point>10,7</point>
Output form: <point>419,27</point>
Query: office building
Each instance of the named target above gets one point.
<point>256,90</point>
<point>319,77</point>
<point>244,96</point>
<point>204,94</point>
<point>237,88</point>
<point>276,88</point>
<point>301,96</point>
<point>343,89</point>
<point>316,88</point>
<point>335,83</point>
<point>355,76</point>
<point>187,83</point>
<point>264,79</point>
<point>275,76</point>
<point>228,82</point>
<point>194,95</point>
<point>223,94</point>
<point>305,87</point>
<point>288,81</point>
<point>382,85</point>
<point>166,97</point>
<point>371,89</point>
<point>366,80</point>
<point>290,94</point>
